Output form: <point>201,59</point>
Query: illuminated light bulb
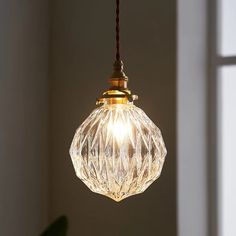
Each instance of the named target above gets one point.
<point>120,129</point>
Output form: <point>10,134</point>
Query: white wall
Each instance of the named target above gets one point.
<point>23,116</point>
<point>81,62</point>
<point>192,118</point>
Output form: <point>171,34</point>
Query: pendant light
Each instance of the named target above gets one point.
<point>118,151</point>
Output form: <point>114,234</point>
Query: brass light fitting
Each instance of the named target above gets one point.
<point>118,93</point>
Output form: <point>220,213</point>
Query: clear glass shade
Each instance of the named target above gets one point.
<point>118,151</point>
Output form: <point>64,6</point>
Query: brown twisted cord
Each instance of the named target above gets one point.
<point>118,30</point>
<point>118,65</point>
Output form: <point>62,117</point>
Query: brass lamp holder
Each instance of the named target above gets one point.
<point>118,93</point>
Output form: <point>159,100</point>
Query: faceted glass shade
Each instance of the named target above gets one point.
<point>118,151</point>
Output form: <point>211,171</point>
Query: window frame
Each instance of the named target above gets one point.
<point>216,61</point>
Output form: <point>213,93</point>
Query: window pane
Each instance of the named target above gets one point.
<point>227,139</point>
<point>227,10</point>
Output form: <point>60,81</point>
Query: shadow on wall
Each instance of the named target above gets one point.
<point>58,228</point>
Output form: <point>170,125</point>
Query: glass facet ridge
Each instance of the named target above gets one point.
<point>118,151</point>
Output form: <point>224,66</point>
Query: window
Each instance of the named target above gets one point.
<point>225,73</point>
<point>227,155</point>
<point>226,28</point>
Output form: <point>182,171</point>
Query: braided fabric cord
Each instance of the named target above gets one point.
<point>118,30</point>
